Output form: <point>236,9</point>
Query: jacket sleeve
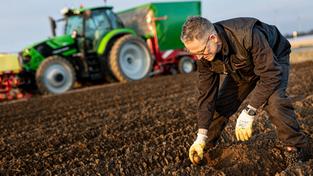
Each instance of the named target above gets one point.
<point>208,84</point>
<point>266,67</point>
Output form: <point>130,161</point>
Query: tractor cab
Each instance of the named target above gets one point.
<point>88,25</point>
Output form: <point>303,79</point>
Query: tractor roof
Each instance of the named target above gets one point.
<point>77,11</point>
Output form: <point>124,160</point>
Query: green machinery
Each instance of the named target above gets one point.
<point>95,45</point>
<point>98,44</point>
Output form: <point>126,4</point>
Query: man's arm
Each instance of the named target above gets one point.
<point>208,84</point>
<point>266,67</point>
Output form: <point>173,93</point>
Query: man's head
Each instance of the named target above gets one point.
<point>200,38</point>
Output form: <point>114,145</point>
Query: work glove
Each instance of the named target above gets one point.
<point>244,123</point>
<point>196,150</point>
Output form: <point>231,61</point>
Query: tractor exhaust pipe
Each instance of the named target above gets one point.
<point>53,26</point>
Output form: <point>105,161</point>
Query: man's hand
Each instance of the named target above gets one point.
<point>244,123</point>
<point>196,150</point>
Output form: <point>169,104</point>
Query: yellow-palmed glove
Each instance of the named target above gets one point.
<point>244,123</point>
<point>197,148</point>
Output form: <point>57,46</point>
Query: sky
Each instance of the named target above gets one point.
<point>23,23</point>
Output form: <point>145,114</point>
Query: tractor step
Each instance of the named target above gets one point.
<point>94,68</point>
<point>93,65</point>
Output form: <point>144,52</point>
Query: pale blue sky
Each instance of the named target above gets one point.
<point>26,22</point>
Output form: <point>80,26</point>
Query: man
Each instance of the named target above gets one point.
<point>255,58</point>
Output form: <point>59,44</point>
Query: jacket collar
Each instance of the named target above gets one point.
<point>226,49</point>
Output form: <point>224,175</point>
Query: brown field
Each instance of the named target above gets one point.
<point>140,128</point>
<point>301,54</point>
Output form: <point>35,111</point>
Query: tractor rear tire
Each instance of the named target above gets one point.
<point>55,75</point>
<point>130,59</point>
<point>186,65</point>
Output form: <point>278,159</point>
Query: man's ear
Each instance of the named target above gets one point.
<point>213,37</point>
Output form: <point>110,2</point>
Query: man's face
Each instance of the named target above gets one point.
<point>205,49</point>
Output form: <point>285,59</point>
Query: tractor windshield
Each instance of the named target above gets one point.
<point>74,23</point>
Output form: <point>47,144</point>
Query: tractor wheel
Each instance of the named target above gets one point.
<point>55,75</point>
<point>186,65</point>
<point>130,59</point>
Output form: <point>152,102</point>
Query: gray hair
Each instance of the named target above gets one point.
<point>196,27</point>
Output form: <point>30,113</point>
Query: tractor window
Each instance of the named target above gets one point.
<point>74,23</point>
<point>116,21</point>
<point>91,27</point>
<point>97,25</point>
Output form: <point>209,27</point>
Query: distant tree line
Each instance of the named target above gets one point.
<point>300,34</point>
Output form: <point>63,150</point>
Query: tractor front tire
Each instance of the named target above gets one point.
<point>55,75</point>
<point>186,65</point>
<point>130,59</point>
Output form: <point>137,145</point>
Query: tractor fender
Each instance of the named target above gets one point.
<point>111,35</point>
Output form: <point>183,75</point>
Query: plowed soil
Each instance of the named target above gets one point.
<point>140,128</point>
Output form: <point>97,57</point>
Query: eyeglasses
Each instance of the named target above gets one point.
<point>200,53</point>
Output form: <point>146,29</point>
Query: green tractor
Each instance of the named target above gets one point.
<point>95,46</point>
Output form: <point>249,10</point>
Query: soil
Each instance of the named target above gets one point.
<point>140,128</point>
